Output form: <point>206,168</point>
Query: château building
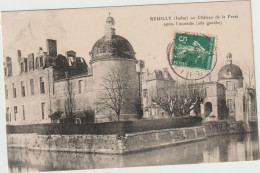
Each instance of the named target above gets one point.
<point>47,79</point>
<point>49,82</point>
<point>226,98</point>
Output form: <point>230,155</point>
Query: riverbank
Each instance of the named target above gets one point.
<point>109,144</point>
<point>226,148</point>
<point>121,144</point>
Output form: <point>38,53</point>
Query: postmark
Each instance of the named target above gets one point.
<point>192,56</point>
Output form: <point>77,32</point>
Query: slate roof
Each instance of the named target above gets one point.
<point>230,71</point>
<point>116,47</point>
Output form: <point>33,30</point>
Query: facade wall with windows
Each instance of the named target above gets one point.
<point>82,92</point>
<point>154,82</point>
<point>28,97</point>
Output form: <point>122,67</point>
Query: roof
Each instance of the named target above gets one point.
<point>159,75</point>
<point>110,20</point>
<point>116,47</point>
<point>230,71</point>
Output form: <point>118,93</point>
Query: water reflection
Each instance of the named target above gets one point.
<point>216,149</point>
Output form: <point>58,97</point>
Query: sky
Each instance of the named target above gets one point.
<point>79,29</point>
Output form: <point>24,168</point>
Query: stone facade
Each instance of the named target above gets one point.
<point>28,97</point>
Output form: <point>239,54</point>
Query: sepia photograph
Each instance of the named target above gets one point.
<point>129,86</point>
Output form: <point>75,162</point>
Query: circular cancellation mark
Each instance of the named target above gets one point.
<point>192,56</point>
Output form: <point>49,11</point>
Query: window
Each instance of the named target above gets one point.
<point>25,65</point>
<point>43,109</point>
<point>208,91</point>
<point>32,86</point>
<point>244,104</point>
<point>145,92</point>
<point>22,67</point>
<point>80,86</point>
<point>15,112</point>
<point>42,89</point>
<point>230,85</point>
<point>7,114</point>
<point>23,112</point>
<point>14,91</point>
<point>231,105</point>
<point>23,89</point>
<point>5,69</point>
<point>71,61</point>
<point>6,92</point>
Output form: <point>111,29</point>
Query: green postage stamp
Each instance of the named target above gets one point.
<point>193,50</point>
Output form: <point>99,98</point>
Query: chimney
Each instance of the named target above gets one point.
<point>51,47</point>
<point>71,57</point>
<point>165,73</point>
<point>229,58</point>
<point>19,54</point>
<point>9,66</point>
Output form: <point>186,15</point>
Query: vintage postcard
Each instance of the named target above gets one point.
<point>129,86</point>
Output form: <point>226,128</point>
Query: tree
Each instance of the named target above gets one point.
<point>250,76</point>
<point>180,99</point>
<point>113,94</point>
<point>69,103</point>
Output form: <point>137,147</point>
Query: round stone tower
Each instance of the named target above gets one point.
<point>231,75</point>
<point>114,55</point>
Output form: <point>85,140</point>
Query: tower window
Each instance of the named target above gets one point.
<point>230,85</point>
<point>231,105</point>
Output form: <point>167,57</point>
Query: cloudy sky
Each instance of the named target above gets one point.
<point>79,29</point>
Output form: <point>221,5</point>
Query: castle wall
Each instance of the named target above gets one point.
<point>83,93</point>
<point>113,144</point>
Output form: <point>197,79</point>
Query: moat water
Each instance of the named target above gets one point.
<point>242,147</point>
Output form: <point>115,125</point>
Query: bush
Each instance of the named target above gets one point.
<point>56,116</point>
